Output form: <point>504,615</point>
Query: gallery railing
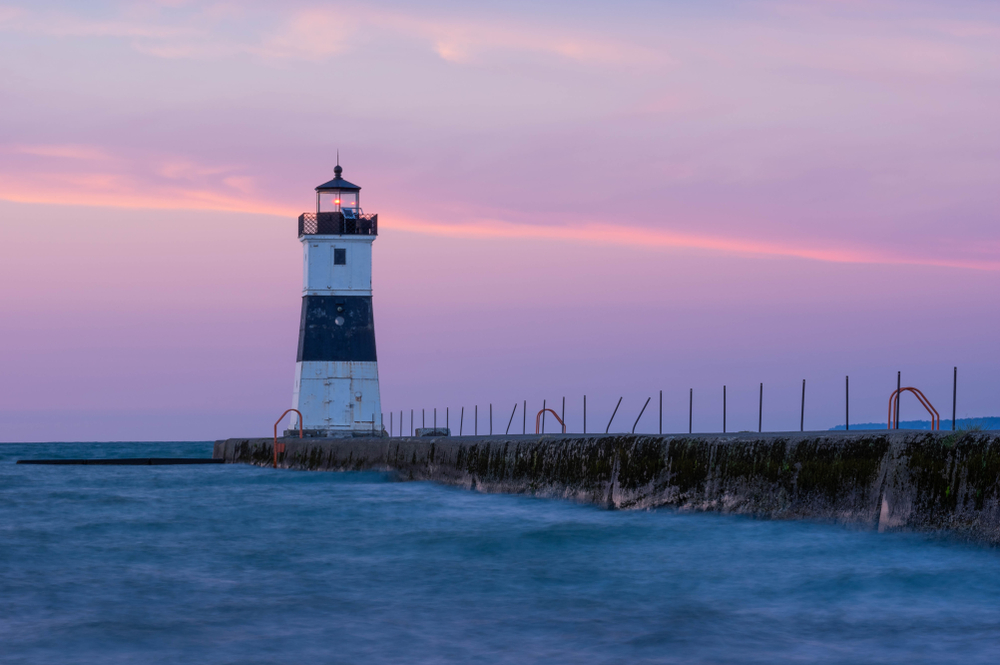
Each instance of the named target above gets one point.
<point>337,224</point>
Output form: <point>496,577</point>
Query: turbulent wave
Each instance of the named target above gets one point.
<point>234,563</point>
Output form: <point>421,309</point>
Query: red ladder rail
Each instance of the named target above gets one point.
<point>276,433</point>
<point>538,419</point>
<point>935,416</point>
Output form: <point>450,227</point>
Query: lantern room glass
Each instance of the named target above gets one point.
<point>337,200</point>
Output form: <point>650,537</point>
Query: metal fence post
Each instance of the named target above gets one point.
<point>847,403</point>
<point>411,422</point>
<point>491,418</point>
<point>524,418</point>
<point>435,417</point>
<point>475,421</point>
<point>723,409</point>
<point>461,421</point>
<point>802,415</point>
<point>543,416</point>
<point>606,429</point>
<point>640,414</point>
<point>954,397</point>
<point>690,409</point>
<point>760,410</point>
<point>511,419</point>
<point>899,389</point>
<point>661,412</point>
<point>584,414</point>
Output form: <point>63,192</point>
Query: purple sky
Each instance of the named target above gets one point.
<point>581,198</point>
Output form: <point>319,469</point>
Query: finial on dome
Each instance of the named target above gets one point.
<point>338,183</point>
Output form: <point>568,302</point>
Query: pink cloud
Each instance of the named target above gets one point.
<point>319,33</point>
<point>606,234</point>
<point>92,176</point>
<point>71,151</point>
<point>966,29</point>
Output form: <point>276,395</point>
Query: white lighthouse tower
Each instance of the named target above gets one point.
<point>336,374</point>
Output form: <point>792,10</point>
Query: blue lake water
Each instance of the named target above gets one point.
<point>237,564</point>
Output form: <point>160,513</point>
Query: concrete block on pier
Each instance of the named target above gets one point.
<point>433,431</point>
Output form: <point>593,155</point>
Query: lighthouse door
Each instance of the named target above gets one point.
<point>338,402</point>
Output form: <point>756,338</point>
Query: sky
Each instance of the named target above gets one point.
<point>574,199</point>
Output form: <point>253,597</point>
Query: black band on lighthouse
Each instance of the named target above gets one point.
<point>337,329</point>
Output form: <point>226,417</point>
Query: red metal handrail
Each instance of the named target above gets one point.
<point>276,433</point>
<point>935,416</point>
<point>538,419</point>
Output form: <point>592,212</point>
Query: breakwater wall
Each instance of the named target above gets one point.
<point>924,481</point>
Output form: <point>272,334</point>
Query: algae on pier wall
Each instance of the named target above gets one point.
<point>912,480</point>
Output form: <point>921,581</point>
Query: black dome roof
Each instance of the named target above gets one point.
<point>337,182</point>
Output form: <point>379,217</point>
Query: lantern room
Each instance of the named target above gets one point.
<point>338,195</point>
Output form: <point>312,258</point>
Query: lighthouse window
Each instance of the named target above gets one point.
<point>339,257</point>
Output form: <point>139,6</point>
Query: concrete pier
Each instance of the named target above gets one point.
<point>912,480</point>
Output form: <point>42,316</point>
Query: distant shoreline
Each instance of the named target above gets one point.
<point>985,423</point>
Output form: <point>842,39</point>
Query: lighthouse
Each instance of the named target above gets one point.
<point>336,373</point>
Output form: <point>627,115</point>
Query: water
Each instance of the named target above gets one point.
<point>236,564</point>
